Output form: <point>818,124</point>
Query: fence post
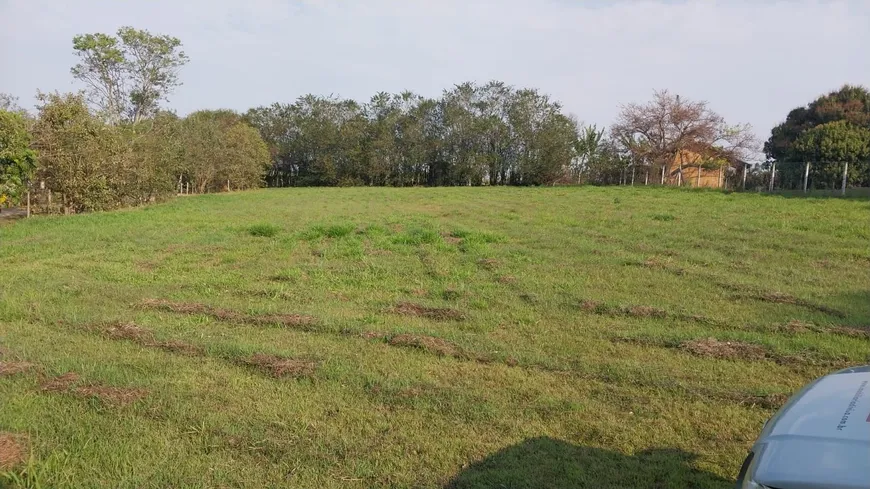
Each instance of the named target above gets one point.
<point>845,174</point>
<point>772,176</point>
<point>28,202</point>
<point>663,174</point>
<point>806,176</point>
<point>745,166</point>
<point>632,175</point>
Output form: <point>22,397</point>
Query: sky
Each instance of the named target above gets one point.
<point>753,61</point>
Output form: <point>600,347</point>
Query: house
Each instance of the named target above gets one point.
<point>699,170</point>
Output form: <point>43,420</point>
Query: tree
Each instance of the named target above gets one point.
<point>17,158</point>
<point>836,143</point>
<point>220,151</point>
<point>10,103</point>
<point>128,75</point>
<point>796,141</point>
<point>672,130</point>
<point>79,155</point>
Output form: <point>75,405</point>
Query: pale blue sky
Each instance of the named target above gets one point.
<point>752,60</point>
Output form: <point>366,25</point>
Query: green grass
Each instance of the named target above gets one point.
<point>549,349</point>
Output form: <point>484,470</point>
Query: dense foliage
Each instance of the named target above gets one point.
<point>830,132</point>
<point>17,158</point>
<point>472,135</point>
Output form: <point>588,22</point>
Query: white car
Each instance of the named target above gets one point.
<point>819,440</point>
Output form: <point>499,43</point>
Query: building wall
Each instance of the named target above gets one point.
<point>712,178</point>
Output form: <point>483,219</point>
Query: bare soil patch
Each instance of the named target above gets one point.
<point>644,312</point>
<point>61,383</point>
<point>507,279</point>
<point>286,320</point>
<point>488,263</point>
<point>591,306</point>
<point>128,331</point>
<point>70,382</point>
<point>430,344</point>
<point>117,396</point>
<point>15,368</point>
<point>13,450</point>
<point>451,240</point>
<point>374,335</point>
<point>436,313</point>
<point>280,367</point>
<point>729,350</point>
<point>850,331</point>
<point>144,337</point>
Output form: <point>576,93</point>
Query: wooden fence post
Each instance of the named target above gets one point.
<point>745,167</point>
<point>28,202</point>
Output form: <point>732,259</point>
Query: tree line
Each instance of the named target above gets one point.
<point>115,145</point>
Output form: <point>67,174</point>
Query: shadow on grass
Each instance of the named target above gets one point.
<point>547,463</point>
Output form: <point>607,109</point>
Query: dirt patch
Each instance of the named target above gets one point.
<point>13,450</point>
<point>144,337</point>
<point>591,306</point>
<point>728,350</point>
<point>436,313</point>
<point>374,335</point>
<point>280,367</point>
<point>15,368</point>
<point>70,382</point>
<point>430,344</point>
<point>643,312</point>
<point>488,263</point>
<point>507,279</point>
<point>796,326</point>
<point>286,320</point>
<point>61,383</point>
<point>177,307</point>
<point>117,396</point>
<point>419,292</point>
<point>451,240</point>
<point>128,331</point>
<point>851,332</point>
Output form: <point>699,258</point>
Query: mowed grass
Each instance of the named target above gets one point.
<point>449,337</point>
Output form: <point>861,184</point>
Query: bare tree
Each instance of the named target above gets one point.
<point>670,129</point>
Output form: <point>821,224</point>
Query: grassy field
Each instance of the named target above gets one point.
<point>451,337</point>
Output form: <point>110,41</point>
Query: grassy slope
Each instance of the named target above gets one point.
<point>575,393</point>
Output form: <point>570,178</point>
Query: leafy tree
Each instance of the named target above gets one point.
<point>128,75</point>
<point>17,159</point>
<point>797,140</point>
<point>836,143</point>
<point>79,155</point>
<point>220,151</point>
